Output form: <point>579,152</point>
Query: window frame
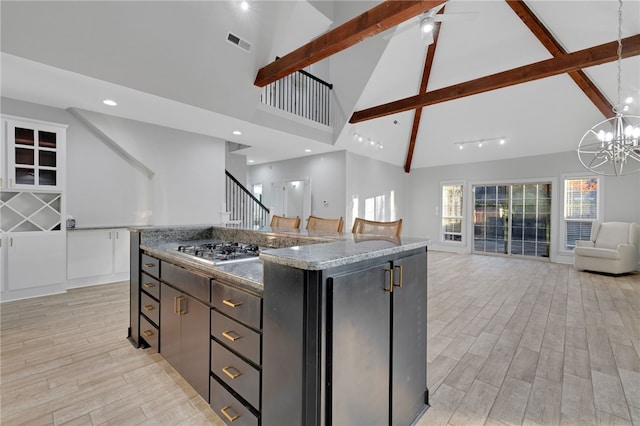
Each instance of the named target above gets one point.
<point>463,218</point>
<point>562,241</point>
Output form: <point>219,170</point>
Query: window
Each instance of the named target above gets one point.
<point>581,209</point>
<point>452,216</point>
<point>374,208</point>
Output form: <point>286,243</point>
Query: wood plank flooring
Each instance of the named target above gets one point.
<point>510,341</point>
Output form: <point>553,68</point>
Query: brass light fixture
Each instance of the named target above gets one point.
<point>612,147</point>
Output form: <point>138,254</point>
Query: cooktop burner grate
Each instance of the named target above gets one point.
<point>219,252</point>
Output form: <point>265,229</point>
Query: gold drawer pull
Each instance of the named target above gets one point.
<point>232,374</point>
<point>232,303</point>
<point>390,289</point>
<point>148,308</point>
<point>229,417</point>
<point>148,285</point>
<point>231,335</point>
<point>147,333</point>
<point>399,269</point>
<point>149,265</point>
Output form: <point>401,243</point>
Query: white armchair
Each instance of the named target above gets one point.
<point>612,248</point>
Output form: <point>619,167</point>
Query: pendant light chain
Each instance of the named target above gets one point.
<point>618,105</point>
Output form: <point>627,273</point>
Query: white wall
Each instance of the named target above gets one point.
<point>621,195</point>
<point>104,189</point>
<point>326,173</point>
<point>368,178</point>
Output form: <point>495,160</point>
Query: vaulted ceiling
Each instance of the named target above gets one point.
<point>169,63</point>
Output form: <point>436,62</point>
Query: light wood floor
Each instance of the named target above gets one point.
<point>510,342</point>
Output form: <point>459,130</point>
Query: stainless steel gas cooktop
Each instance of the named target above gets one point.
<point>220,252</point>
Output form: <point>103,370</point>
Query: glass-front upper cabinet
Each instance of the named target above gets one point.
<point>35,155</point>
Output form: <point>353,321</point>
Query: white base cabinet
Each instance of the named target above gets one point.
<point>35,264</point>
<point>97,256</point>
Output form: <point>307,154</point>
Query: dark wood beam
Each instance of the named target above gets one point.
<point>584,58</point>
<point>426,72</point>
<point>376,20</point>
<point>547,39</point>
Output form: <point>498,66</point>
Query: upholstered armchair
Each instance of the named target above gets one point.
<point>612,248</point>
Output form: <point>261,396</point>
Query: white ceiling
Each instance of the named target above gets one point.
<point>168,63</point>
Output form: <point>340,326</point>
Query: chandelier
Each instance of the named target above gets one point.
<point>612,147</point>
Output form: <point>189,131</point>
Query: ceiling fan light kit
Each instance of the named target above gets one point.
<point>612,147</point>
<point>427,23</point>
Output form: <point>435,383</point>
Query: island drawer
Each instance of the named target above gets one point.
<point>235,372</point>
<point>150,285</point>
<point>236,336</point>
<point>150,265</point>
<point>189,282</point>
<point>229,408</point>
<point>149,333</point>
<point>238,304</point>
<point>150,308</point>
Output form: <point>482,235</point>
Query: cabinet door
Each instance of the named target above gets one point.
<point>89,252</point>
<point>170,325</point>
<point>359,347</point>
<point>121,250</point>
<point>36,259</point>
<point>35,153</point>
<point>195,341</point>
<point>409,339</point>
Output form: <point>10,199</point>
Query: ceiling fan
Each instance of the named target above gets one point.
<point>426,22</point>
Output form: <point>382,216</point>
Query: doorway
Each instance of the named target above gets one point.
<point>292,198</point>
<point>512,219</point>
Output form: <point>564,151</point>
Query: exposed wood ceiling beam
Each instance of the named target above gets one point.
<point>428,63</point>
<point>561,64</point>
<point>376,20</point>
<point>547,39</point>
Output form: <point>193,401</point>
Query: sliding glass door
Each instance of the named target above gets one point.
<point>512,219</point>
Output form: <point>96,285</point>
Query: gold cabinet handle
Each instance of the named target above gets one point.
<point>390,289</point>
<point>148,308</point>
<point>232,303</point>
<point>399,269</point>
<point>147,333</point>
<point>231,335</point>
<point>148,285</point>
<point>230,417</point>
<point>180,300</point>
<point>232,374</point>
<point>149,265</point>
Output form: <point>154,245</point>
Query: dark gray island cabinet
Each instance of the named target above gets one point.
<point>346,345</point>
<point>329,333</point>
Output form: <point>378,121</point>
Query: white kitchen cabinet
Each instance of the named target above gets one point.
<point>35,259</point>
<point>97,256</point>
<point>32,208</point>
<point>35,153</point>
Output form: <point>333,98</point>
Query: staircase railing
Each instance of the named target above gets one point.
<point>244,208</point>
<point>302,94</point>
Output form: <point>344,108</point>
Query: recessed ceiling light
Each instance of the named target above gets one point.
<point>307,150</point>
<point>250,161</point>
<point>110,102</point>
<point>244,5</point>
<point>628,100</point>
<point>237,132</point>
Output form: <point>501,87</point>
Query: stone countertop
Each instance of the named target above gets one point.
<point>352,249</point>
<point>246,274</point>
<point>97,227</point>
<point>297,249</point>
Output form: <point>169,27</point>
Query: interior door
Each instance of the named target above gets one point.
<point>292,198</point>
<point>512,219</point>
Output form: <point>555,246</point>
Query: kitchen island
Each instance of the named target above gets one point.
<point>321,329</point>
